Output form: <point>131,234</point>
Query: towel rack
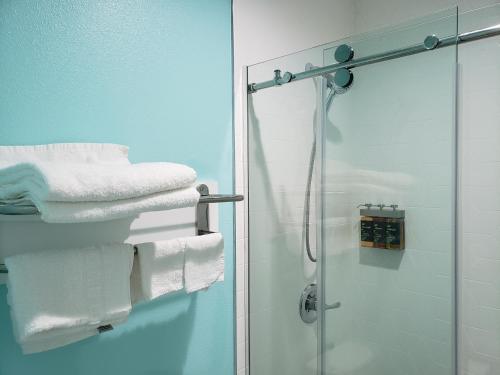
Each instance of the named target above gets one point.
<point>202,211</point>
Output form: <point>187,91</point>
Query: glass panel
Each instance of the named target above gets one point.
<point>280,136</point>
<point>479,121</point>
<point>390,139</point>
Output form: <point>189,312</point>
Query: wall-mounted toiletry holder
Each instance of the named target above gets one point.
<point>382,226</point>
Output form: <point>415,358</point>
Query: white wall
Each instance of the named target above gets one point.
<point>370,15</point>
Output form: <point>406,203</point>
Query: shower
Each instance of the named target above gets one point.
<point>365,306</point>
<point>337,84</point>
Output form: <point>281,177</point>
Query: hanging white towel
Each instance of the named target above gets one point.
<point>61,296</point>
<point>66,212</point>
<point>103,153</point>
<point>162,267</point>
<point>204,261</point>
<point>158,269</point>
<point>91,182</point>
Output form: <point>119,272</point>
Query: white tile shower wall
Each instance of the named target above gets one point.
<point>480,192</point>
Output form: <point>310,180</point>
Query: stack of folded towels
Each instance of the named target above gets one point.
<point>61,296</point>
<point>58,297</point>
<point>85,182</point>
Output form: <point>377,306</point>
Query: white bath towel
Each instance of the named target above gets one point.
<point>91,182</point>
<point>103,153</point>
<point>158,269</point>
<point>67,212</point>
<point>58,297</point>
<point>204,261</point>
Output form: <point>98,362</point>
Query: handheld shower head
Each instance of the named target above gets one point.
<point>334,90</point>
<point>338,83</point>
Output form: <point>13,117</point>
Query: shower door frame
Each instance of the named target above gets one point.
<point>320,217</point>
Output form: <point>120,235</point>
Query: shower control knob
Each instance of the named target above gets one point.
<point>308,305</point>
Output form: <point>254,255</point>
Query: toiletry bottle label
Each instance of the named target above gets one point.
<point>366,232</point>
<point>395,234</point>
<point>379,232</point>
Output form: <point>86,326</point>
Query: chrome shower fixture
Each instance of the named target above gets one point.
<point>309,304</point>
<point>343,78</point>
<point>279,79</point>
<point>344,53</point>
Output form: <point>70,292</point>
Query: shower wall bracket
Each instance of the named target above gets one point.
<point>202,209</point>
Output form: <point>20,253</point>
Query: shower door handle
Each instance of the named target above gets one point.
<point>335,305</point>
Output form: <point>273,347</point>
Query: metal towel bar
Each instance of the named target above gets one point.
<point>202,211</point>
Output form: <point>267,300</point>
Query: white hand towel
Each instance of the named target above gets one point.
<point>68,152</point>
<point>158,270</point>
<point>66,212</point>
<point>61,296</point>
<point>204,261</point>
<point>86,182</point>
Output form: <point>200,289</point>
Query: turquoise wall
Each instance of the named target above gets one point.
<point>154,75</point>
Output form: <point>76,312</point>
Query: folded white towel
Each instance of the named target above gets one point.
<point>68,152</point>
<point>158,269</point>
<point>61,296</point>
<point>66,212</point>
<point>87,182</point>
<point>204,261</point>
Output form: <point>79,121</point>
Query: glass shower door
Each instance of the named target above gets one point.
<point>281,126</point>
<point>390,140</point>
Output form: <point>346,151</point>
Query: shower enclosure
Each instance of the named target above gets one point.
<point>336,158</point>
